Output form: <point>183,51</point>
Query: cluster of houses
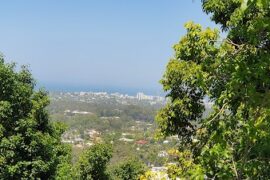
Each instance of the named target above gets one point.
<point>91,136</point>
<point>74,137</point>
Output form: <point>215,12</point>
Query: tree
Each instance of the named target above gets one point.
<point>234,141</point>
<point>93,163</point>
<point>30,146</point>
<point>65,169</point>
<point>130,169</point>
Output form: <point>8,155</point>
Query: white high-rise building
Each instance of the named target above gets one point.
<point>142,96</point>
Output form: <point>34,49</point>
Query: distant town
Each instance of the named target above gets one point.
<point>121,98</point>
<point>125,121</point>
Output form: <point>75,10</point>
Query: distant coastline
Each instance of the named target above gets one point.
<point>52,87</point>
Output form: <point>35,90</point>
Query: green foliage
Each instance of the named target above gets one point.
<point>184,80</point>
<point>130,169</point>
<point>234,141</point>
<point>30,146</point>
<point>127,114</point>
<point>185,167</point>
<point>93,163</point>
<point>65,170</point>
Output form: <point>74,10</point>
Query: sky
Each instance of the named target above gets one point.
<point>100,45</point>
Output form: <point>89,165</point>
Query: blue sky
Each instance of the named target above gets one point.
<point>96,44</point>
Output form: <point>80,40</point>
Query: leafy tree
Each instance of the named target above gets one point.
<point>234,141</point>
<point>93,163</point>
<point>130,169</point>
<point>185,167</point>
<point>30,146</point>
<point>65,170</point>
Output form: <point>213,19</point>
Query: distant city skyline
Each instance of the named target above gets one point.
<point>86,45</point>
<point>109,89</point>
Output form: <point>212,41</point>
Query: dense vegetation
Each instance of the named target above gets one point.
<point>30,145</point>
<point>92,164</point>
<point>130,169</point>
<point>102,113</point>
<point>234,142</point>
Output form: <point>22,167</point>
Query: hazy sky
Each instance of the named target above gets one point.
<point>95,43</point>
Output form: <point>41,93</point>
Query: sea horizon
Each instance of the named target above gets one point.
<point>54,87</point>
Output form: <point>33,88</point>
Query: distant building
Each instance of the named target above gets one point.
<point>78,140</point>
<point>165,142</point>
<point>142,96</point>
<point>81,112</point>
<point>126,139</point>
<point>92,133</point>
<point>141,142</point>
<point>89,144</point>
<point>159,169</point>
<point>127,134</point>
<point>79,145</point>
<point>112,117</point>
<point>69,112</point>
<point>83,93</point>
<point>162,154</point>
<point>67,141</point>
